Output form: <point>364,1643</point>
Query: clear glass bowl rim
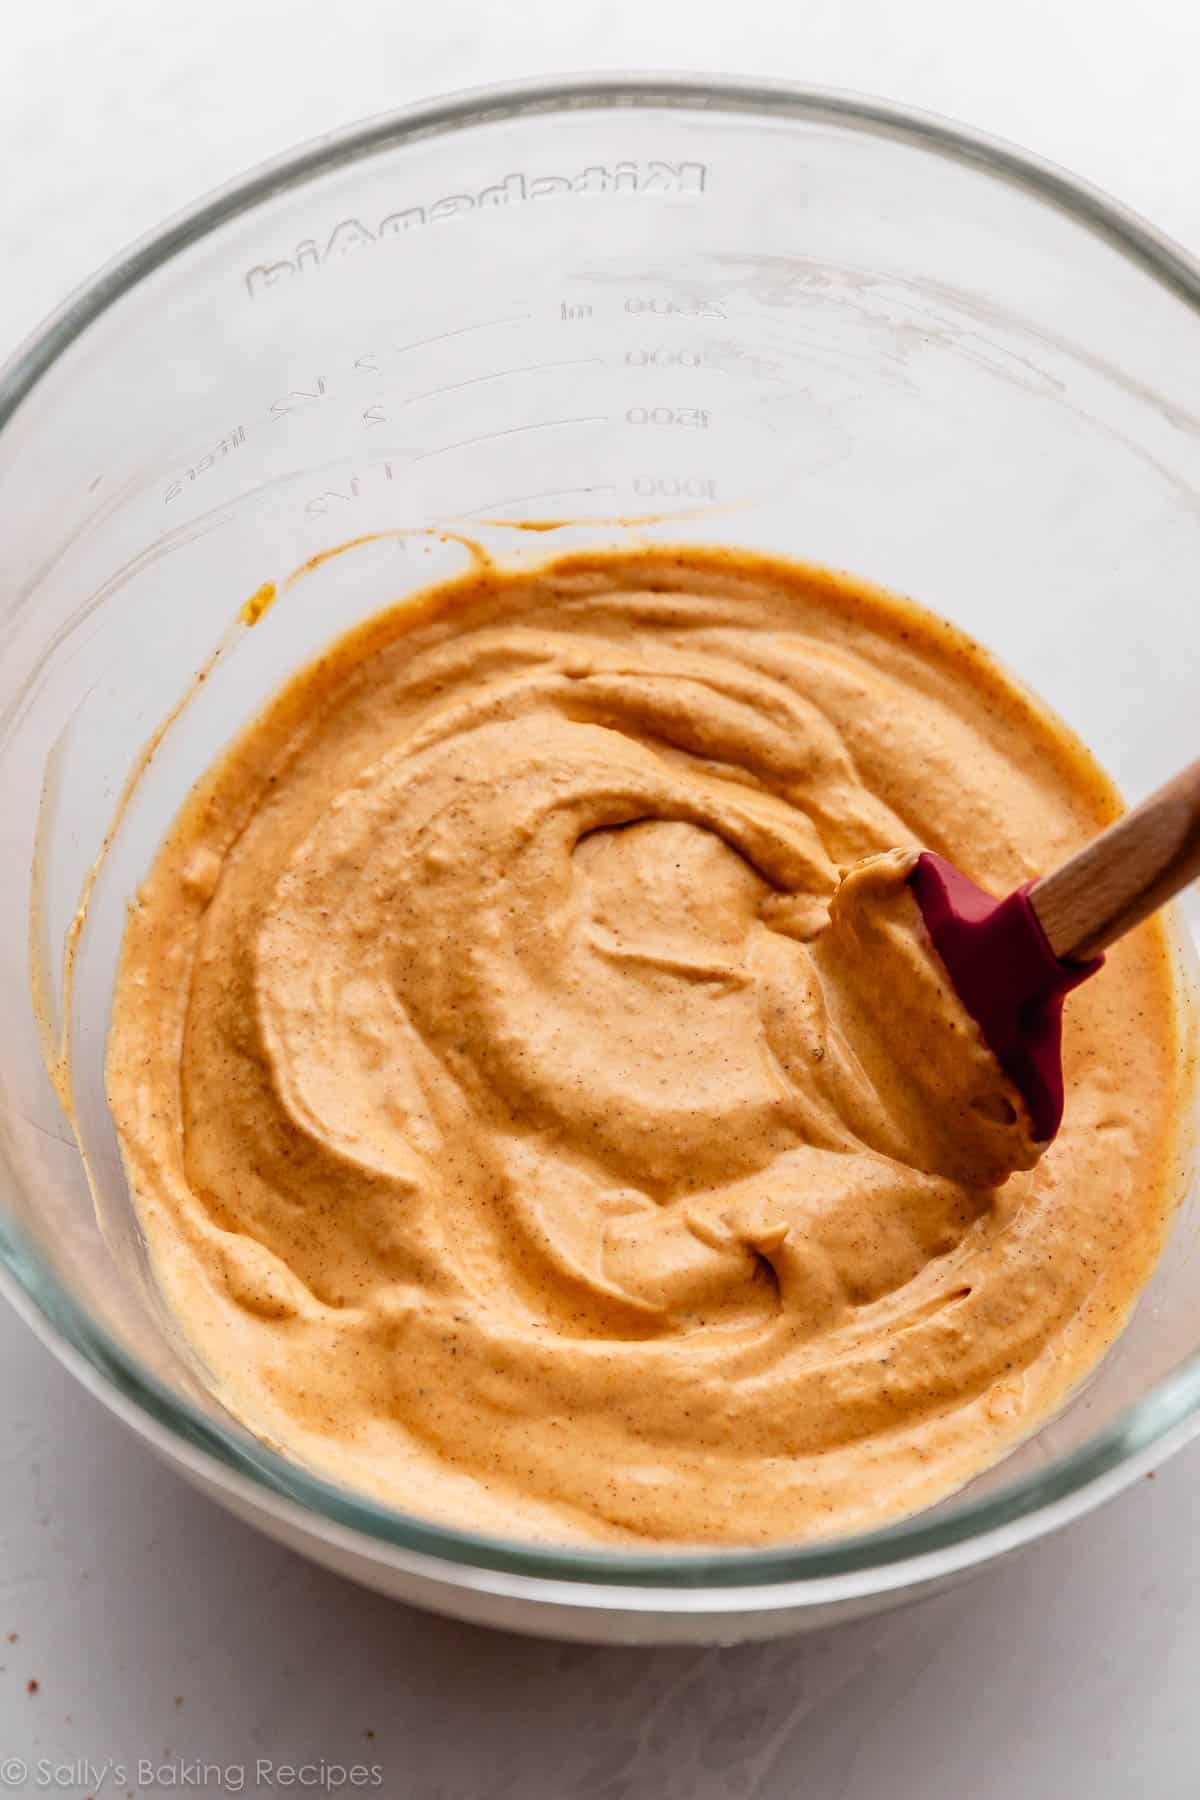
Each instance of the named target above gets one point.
<point>1167,1416</point>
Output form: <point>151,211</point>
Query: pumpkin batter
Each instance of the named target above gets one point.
<point>523,1137</point>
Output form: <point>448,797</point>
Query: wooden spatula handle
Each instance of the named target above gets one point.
<point>1134,867</point>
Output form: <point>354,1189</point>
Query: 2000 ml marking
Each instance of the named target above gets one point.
<point>348,235</point>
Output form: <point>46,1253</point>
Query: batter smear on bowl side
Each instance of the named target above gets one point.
<point>523,1132</point>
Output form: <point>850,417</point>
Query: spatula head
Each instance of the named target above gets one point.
<point>1006,975</point>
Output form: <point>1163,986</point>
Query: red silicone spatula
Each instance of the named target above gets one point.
<point>1012,961</point>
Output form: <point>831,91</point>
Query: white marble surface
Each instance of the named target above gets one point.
<point>158,1630</point>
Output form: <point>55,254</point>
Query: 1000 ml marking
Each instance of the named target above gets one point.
<point>675,487</point>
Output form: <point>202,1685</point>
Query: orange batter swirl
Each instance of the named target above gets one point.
<point>524,1133</point>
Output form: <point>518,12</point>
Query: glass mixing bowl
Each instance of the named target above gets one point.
<point>651,308</point>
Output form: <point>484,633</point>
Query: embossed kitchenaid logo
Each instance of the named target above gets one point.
<point>350,235</point>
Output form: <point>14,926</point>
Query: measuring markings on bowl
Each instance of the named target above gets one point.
<point>367,481</point>
<point>523,500</point>
<point>667,306</point>
<point>675,487</point>
<point>697,418</point>
<point>231,441</point>
<point>484,437</point>
<point>536,368</point>
<point>663,357</point>
<point>318,506</point>
<point>312,387</point>
<point>341,384</point>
